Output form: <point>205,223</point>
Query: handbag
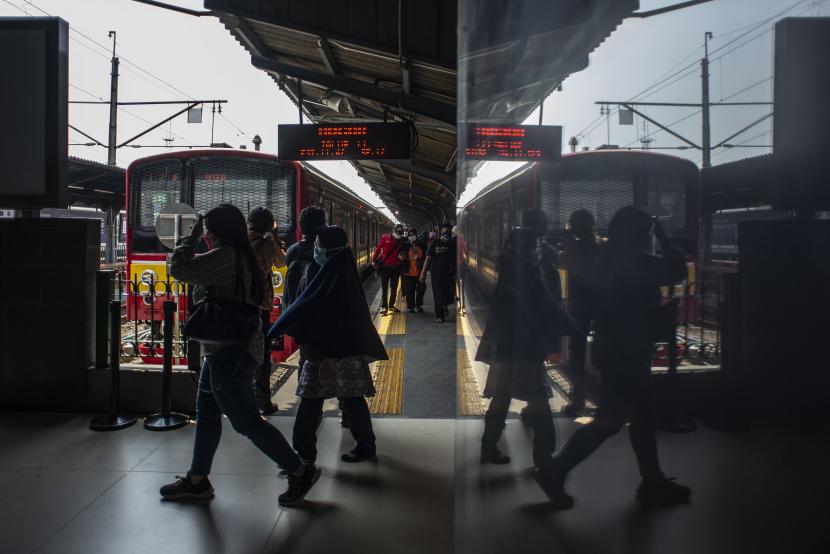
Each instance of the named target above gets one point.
<point>222,321</point>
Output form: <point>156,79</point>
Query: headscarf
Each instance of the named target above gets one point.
<point>525,322</point>
<point>332,313</point>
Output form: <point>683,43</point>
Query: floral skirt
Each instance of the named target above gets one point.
<point>336,377</point>
<point>521,379</point>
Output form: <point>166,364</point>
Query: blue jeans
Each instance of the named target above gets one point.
<point>223,391</point>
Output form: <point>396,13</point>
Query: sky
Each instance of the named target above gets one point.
<point>170,56</point>
<point>641,52</point>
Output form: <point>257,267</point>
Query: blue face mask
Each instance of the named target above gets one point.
<point>319,255</point>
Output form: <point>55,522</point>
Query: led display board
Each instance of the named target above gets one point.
<point>353,141</point>
<point>33,146</point>
<point>540,143</point>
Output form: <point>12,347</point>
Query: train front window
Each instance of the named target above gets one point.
<point>153,186</point>
<point>666,199</point>
<point>246,184</point>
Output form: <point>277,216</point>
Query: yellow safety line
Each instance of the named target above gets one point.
<point>388,378</point>
<point>394,323</point>
<point>469,400</point>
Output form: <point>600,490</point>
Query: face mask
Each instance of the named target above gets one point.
<point>446,236</point>
<point>412,238</point>
<point>319,255</point>
<point>397,235</point>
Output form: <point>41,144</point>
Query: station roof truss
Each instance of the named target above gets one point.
<point>95,184</point>
<point>342,60</point>
<point>518,53</point>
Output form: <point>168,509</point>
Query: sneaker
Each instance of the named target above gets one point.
<point>419,309</point>
<point>383,311</point>
<point>439,320</point>
<point>662,491</point>
<point>394,309</point>
<point>357,455</point>
<point>268,409</point>
<point>553,483</point>
<point>492,455</point>
<point>183,488</point>
<point>573,410</point>
<point>298,487</point>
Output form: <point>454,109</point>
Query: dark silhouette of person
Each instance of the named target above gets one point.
<point>579,256</point>
<point>262,232</point>
<point>525,324</point>
<point>331,322</point>
<point>440,261</point>
<point>628,309</point>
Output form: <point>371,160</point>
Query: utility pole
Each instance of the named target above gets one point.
<point>706,144</point>
<point>111,143</point>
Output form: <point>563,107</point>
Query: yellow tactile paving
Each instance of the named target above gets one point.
<point>467,326</point>
<point>388,378</point>
<point>394,323</point>
<point>469,401</point>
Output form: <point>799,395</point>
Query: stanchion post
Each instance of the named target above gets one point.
<point>103,296</point>
<point>114,419</point>
<point>167,419</point>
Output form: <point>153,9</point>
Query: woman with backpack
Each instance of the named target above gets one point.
<point>331,322</point>
<point>229,272</point>
<point>262,232</point>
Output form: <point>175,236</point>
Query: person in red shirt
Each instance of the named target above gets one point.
<point>387,258</point>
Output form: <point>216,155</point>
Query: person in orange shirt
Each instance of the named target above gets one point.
<point>413,288</point>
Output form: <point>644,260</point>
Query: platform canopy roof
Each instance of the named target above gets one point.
<point>95,184</point>
<point>364,60</point>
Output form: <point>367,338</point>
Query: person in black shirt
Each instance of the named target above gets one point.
<point>441,261</point>
<point>628,314</point>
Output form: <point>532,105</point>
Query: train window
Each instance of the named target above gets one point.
<point>492,224</point>
<point>602,195</point>
<point>665,197</point>
<point>246,184</point>
<point>153,185</point>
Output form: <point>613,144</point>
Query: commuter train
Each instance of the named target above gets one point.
<point>601,181</point>
<point>203,179</point>
<point>113,236</point>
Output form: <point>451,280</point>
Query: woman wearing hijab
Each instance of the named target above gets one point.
<point>330,321</point>
<point>525,325</point>
<point>229,270</point>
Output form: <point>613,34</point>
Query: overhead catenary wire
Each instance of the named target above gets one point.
<point>158,81</point>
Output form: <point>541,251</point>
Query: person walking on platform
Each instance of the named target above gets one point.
<point>579,257</point>
<point>332,324</point>
<point>629,315</point>
<point>440,261</point>
<point>262,232</point>
<point>525,324</point>
<point>387,258</point>
<point>230,271</point>
<point>413,288</point>
<point>547,267</point>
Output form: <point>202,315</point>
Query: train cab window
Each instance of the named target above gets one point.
<point>665,197</point>
<point>153,186</point>
<point>246,184</point>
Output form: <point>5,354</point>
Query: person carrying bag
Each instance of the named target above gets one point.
<point>227,288</point>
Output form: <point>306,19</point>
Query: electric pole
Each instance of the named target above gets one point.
<point>111,143</point>
<point>706,145</point>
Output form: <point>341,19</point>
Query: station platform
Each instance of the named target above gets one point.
<point>65,489</point>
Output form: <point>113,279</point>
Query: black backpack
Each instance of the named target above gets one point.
<point>297,277</point>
